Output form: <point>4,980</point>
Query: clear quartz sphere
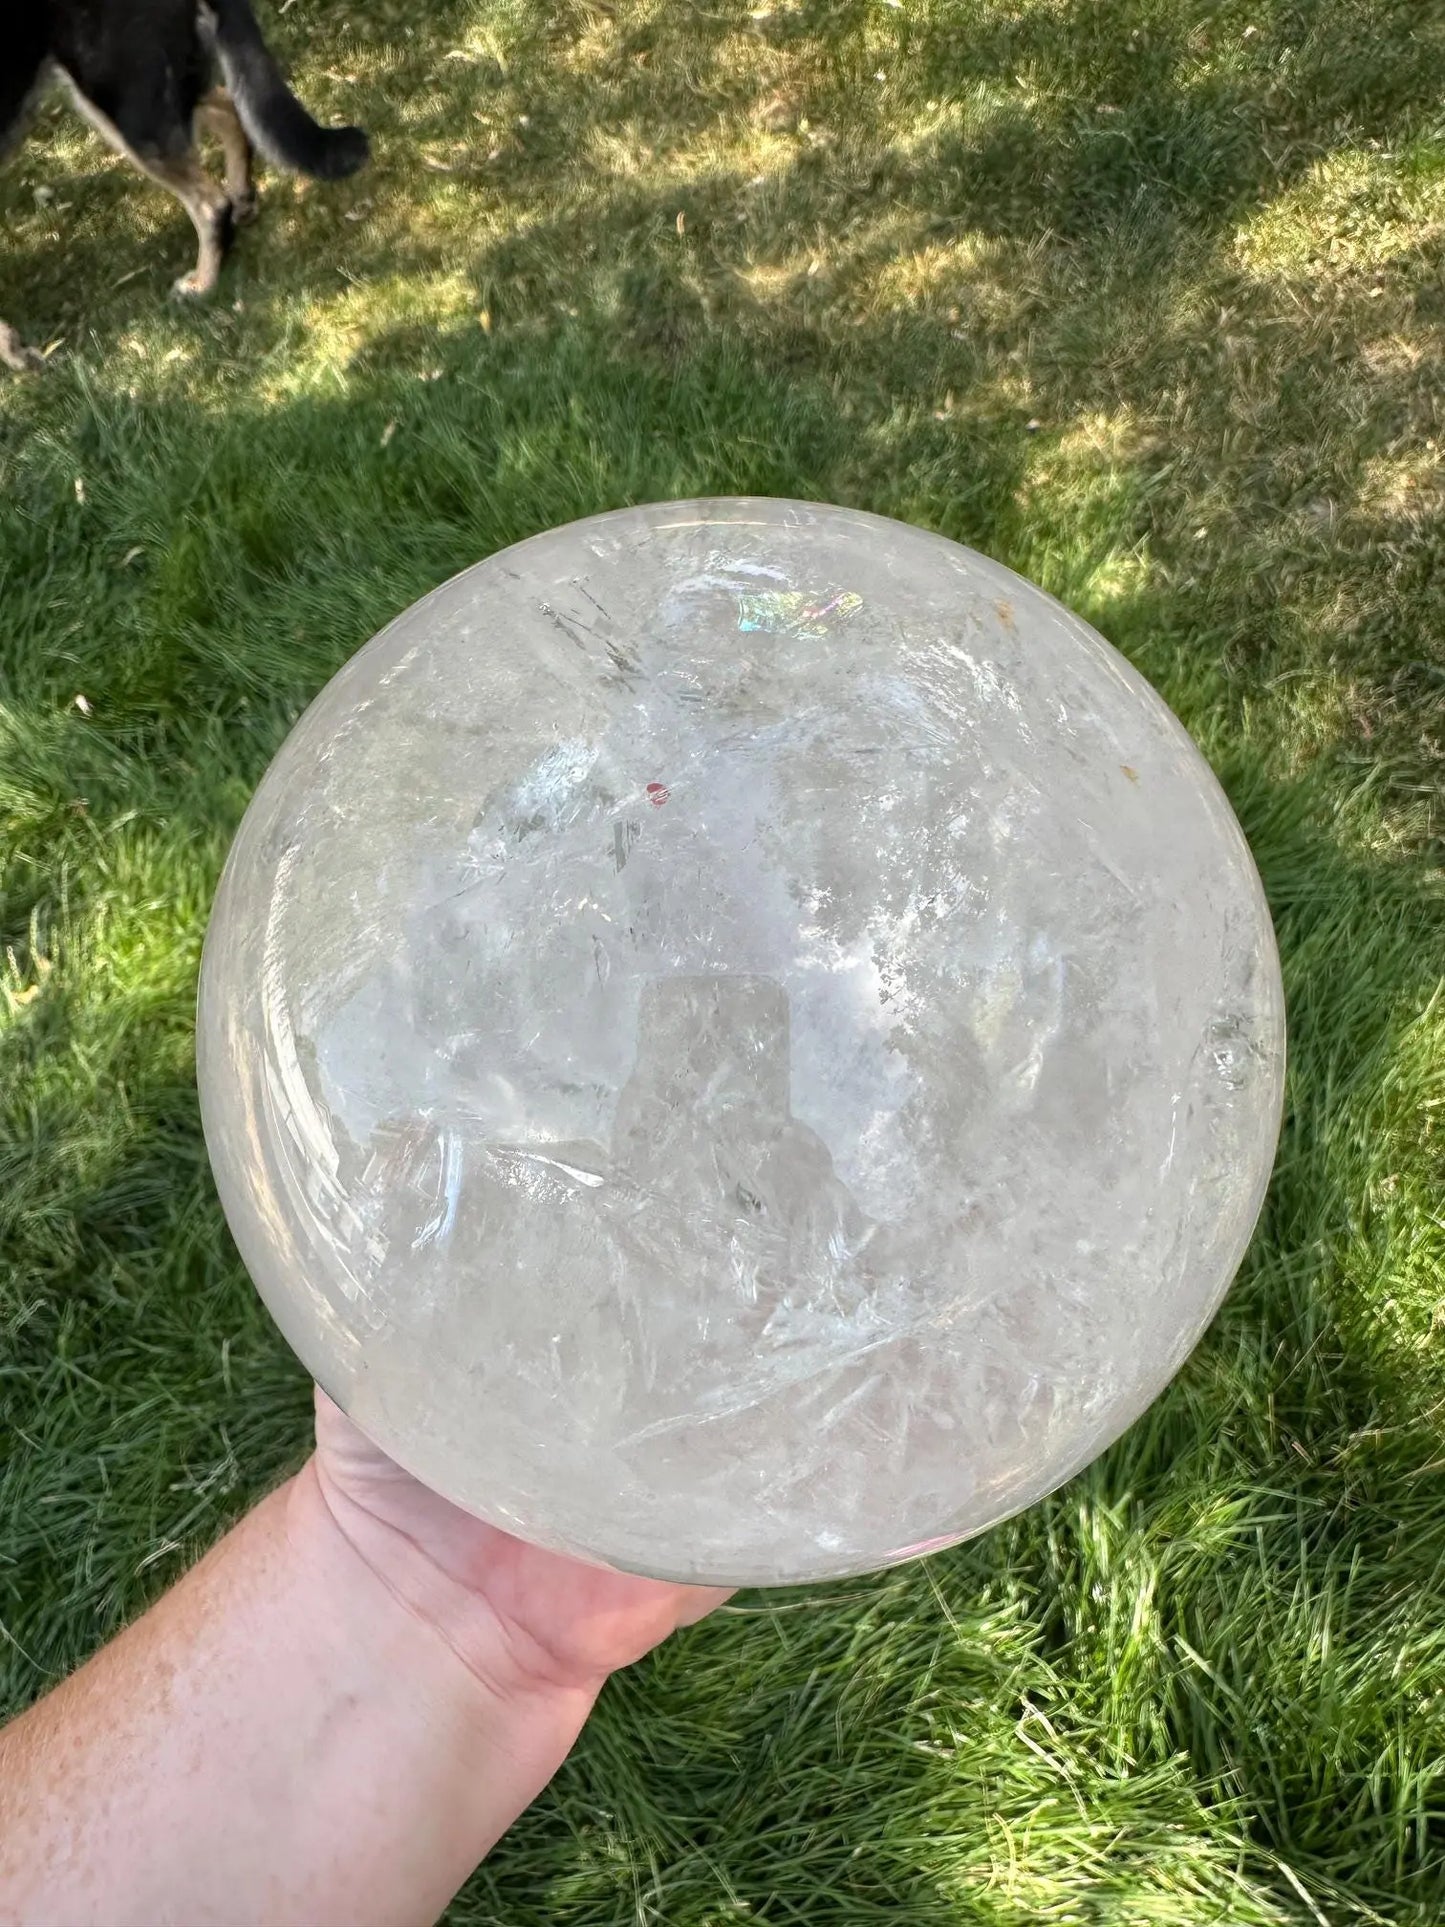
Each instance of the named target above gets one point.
<point>740,1040</point>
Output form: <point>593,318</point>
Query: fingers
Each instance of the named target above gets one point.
<point>696,1602</point>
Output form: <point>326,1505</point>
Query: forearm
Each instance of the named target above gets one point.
<point>279,1740</point>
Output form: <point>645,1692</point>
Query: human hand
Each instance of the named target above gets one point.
<point>334,1715</point>
<point>520,1618</point>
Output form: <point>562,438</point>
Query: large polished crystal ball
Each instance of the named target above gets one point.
<point>740,1040</point>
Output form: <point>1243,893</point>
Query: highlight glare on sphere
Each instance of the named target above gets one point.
<point>740,1040</point>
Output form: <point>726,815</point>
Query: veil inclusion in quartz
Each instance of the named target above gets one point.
<point>740,1040</point>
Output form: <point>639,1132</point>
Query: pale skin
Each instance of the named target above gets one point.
<point>331,1719</point>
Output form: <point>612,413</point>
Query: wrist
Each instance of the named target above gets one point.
<point>495,1666</point>
<point>468,1724</point>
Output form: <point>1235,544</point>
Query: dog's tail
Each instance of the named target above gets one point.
<point>270,113</point>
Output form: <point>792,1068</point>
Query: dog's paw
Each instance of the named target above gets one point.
<point>244,208</point>
<point>193,286</point>
<point>14,353</point>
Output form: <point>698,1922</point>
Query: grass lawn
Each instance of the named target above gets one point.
<point>1147,299</point>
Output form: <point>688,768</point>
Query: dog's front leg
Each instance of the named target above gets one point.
<point>15,354</point>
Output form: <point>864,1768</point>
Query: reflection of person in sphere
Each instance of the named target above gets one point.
<point>705,1122</point>
<point>705,1176</point>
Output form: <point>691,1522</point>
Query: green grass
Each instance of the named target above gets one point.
<point>1144,297</point>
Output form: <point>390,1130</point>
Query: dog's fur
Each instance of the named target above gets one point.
<point>142,72</point>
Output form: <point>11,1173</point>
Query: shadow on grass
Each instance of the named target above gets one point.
<point>1131,122</point>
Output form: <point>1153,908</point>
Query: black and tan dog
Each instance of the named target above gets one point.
<point>144,72</point>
